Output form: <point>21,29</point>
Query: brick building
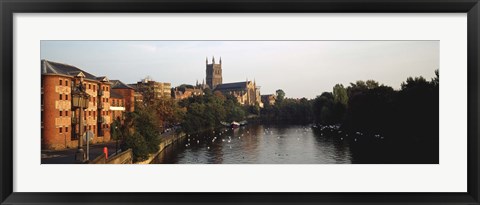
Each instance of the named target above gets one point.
<point>60,121</point>
<point>186,91</point>
<point>160,89</point>
<point>127,93</point>
<point>117,106</point>
<point>268,99</point>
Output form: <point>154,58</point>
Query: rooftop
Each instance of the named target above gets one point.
<point>232,86</point>
<point>50,67</point>
<point>117,84</point>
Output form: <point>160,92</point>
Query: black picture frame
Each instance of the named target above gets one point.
<point>9,7</point>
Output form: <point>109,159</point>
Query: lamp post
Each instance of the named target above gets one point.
<point>116,137</point>
<point>79,101</point>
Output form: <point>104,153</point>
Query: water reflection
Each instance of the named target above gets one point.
<point>258,144</point>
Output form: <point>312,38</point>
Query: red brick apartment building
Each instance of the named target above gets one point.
<point>126,92</point>
<point>59,119</point>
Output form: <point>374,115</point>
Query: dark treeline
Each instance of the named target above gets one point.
<point>407,120</point>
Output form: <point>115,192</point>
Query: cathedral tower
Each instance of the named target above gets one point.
<point>214,73</point>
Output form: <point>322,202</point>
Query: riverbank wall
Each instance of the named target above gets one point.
<point>164,143</point>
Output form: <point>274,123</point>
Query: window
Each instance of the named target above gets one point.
<point>94,129</point>
<point>94,100</point>
<point>85,128</point>
<point>66,97</point>
<point>107,88</point>
<point>89,127</point>
<point>60,113</point>
<point>94,87</point>
<point>60,96</point>
<point>94,114</point>
<point>89,86</point>
<point>66,129</point>
<point>60,82</point>
<point>60,130</point>
<point>103,88</point>
<point>89,113</point>
<point>66,113</point>
<point>66,83</point>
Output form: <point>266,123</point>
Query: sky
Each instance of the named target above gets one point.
<point>299,68</point>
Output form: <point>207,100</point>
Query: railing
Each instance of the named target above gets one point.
<point>121,158</point>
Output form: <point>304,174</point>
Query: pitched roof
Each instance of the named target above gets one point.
<point>114,94</point>
<point>50,67</point>
<point>134,86</point>
<point>232,86</point>
<point>117,84</point>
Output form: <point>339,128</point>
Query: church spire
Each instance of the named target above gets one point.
<point>220,59</point>
<point>213,59</point>
<point>206,61</point>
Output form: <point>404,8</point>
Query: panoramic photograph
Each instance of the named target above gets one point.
<point>239,102</point>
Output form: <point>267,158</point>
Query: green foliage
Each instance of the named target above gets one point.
<point>138,145</point>
<point>290,110</point>
<point>340,94</point>
<point>323,108</point>
<point>207,111</point>
<point>280,96</point>
<point>116,130</point>
<point>145,137</point>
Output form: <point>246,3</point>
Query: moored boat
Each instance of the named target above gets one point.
<point>235,124</point>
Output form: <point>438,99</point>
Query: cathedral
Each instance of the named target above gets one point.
<point>246,92</point>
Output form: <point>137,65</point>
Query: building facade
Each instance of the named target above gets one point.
<point>247,93</point>
<point>186,91</point>
<point>127,93</point>
<point>268,99</point>
<point>214,73</point>
<point>117,106</point>
<point>60,120</point>
<point>159,89</point>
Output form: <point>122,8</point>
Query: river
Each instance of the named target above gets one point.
<point>259,144</point>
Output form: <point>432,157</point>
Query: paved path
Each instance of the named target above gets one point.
<point>68,156</point>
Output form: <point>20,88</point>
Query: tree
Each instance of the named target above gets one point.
<point>280,95</point>
<point>144,138</point>
<point>323,107</point>
<point>435,80</point>
<point>340,94</point>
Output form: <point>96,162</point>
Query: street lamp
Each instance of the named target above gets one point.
<point>79,101</point>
